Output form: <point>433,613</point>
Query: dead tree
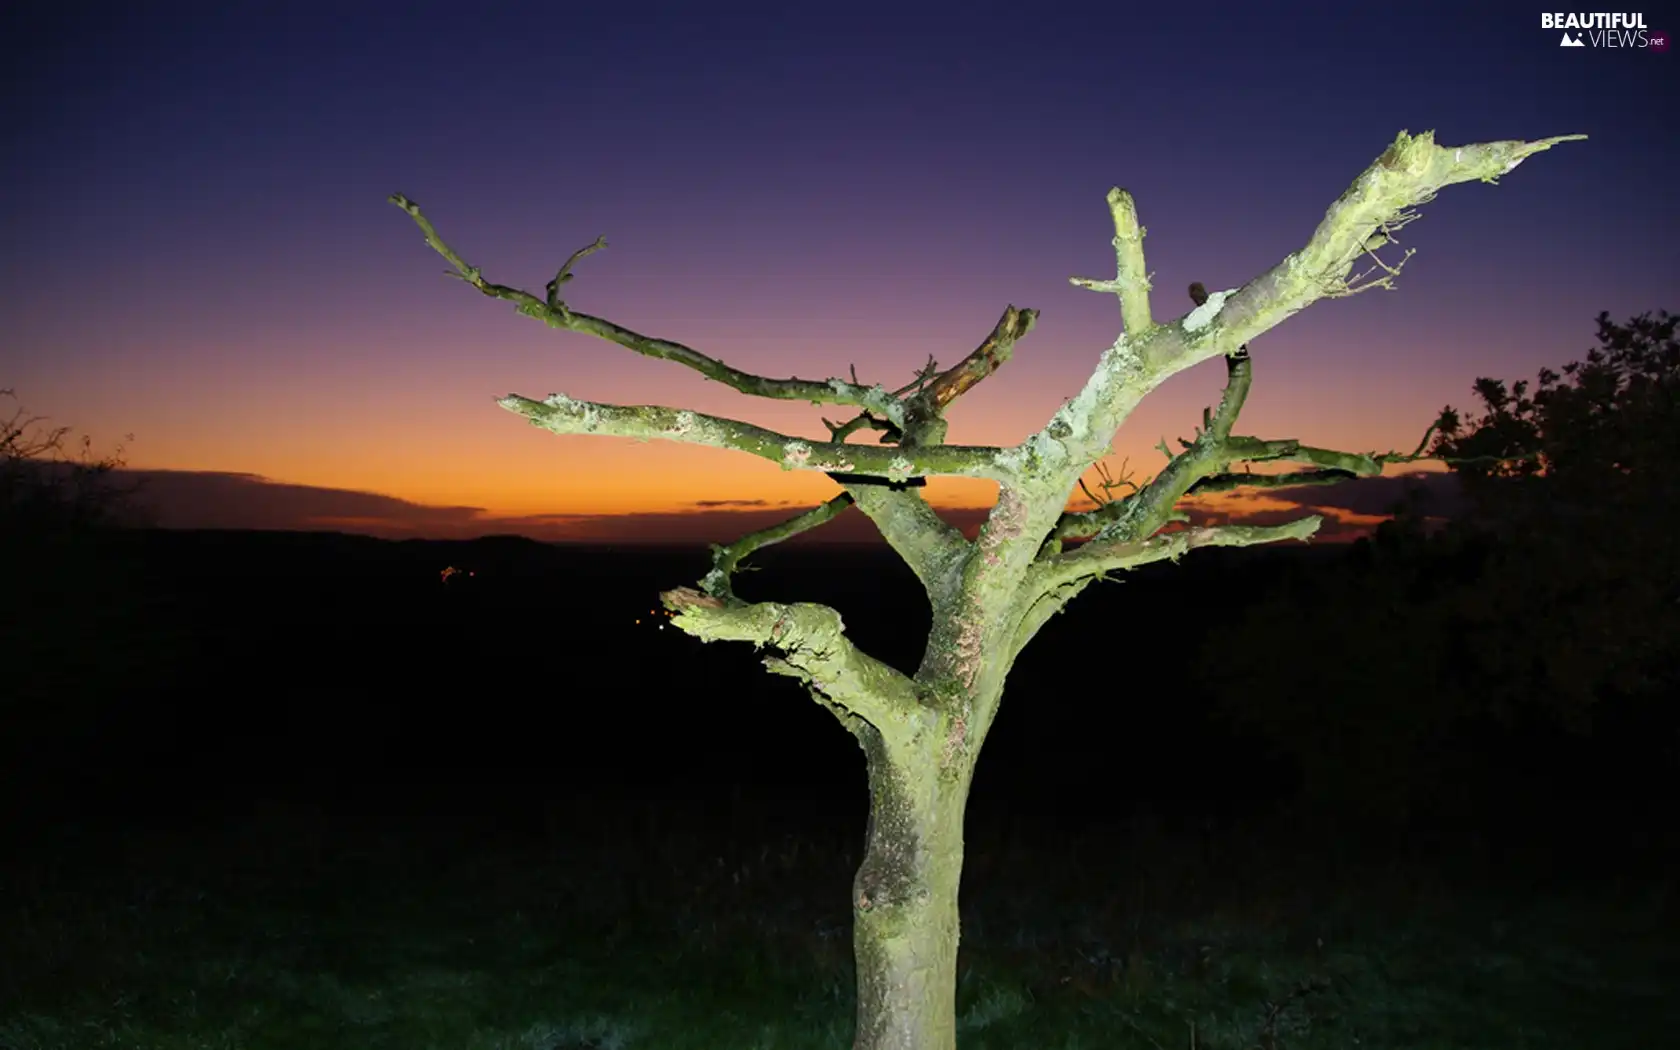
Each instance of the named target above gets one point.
<point>922,733</point>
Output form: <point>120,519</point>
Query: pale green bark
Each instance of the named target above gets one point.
<point>566,415</point>
<point>922,733</point>
<point>904,898</point>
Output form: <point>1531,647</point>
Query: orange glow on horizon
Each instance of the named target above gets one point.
<point>509,475</point>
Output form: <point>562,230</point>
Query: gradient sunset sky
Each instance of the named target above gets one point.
<point>199,251</point>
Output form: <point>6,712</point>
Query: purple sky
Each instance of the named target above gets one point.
<point>199,251</point>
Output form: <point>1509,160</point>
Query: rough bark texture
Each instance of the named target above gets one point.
<point>990,596</point>
<point>904,900</point>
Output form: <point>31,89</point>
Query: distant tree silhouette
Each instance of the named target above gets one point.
<point>1586,565</point>
<point>921,733</point>
<point>1558,593</point>
<point>1592,444</point>
<point>44,490</point>
<point>65,610</point>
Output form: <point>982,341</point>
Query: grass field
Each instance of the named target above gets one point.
<point>664,934</point>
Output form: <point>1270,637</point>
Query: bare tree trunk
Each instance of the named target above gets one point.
<point>991,594</point>
<point>904,900</point>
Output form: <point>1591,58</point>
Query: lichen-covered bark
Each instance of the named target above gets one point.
<point>568,415</point>
<point>904,897</point>
<point>922,735</point>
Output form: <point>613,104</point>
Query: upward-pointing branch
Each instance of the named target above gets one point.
<point>1130,284</point>
<point>726,558</point>
<point>1363,220</point>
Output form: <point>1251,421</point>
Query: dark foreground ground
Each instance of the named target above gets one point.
<point>300,792</point>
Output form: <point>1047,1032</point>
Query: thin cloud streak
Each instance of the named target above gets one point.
<point>183,499</point>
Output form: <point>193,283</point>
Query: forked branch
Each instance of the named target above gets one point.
<point>910,417</point>
<point>1131,284</point>
<point>933,391</point>
<point>1147,509</point>
<point>1036,475</point>
<point>553,312</point>
<point>1362,220</point>
<point>1202,466</point>
<point>932,547</point>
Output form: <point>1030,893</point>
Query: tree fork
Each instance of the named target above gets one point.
<point>921,735</point>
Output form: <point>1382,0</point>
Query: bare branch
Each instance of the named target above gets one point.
<point>1291,479</point>
<point>44,486</point>
<point>556,314</point>
<point>839,432</point>
<point>1257,450</point>
<point>565,273</point>
<point>932,547</point>
<point>1100,556</point>
<point>1378,203</point>
<point>932,392</point>
<point>983,360</point>
<point>1147,510</point>
<point>1131,283</point>
<point>1367,217</point>
<point>16,445</point>
<point>1193,473</point>
<point>565,415</point>
<point>1333,465</point>
<point>928,544</point>
<point>809,642</point>
<point>726,559</point>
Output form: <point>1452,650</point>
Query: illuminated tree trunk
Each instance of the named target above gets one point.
<point>904,902</point>
<point>991,594</point>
